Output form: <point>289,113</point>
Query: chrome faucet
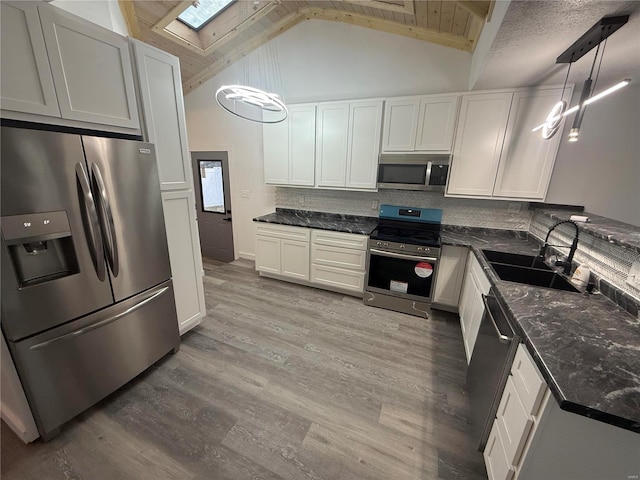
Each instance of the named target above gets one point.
<point>572,250</point>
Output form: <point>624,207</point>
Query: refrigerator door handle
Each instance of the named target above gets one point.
<point>106,220</point>
<point>90,221</point>
<point>101,323</point>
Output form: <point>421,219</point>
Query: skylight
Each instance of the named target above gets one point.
<point>197,17</point>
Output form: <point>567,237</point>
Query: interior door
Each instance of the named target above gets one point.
<point>124,178</point>
<point>213,204</point>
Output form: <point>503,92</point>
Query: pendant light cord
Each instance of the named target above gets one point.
<point>566,78</point>
<point>599,65</point>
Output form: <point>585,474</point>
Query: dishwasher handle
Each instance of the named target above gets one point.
<point>502,338</point>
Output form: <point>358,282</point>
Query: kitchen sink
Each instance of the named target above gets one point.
<point>515,259</point>
<point>533,276</point>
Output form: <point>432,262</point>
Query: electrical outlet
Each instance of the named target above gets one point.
<point>301,199</point>
<point>245,193</point>
<point>633,278</point>
<point>374,204</point>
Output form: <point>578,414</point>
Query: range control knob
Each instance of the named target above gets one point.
<point>402,247</point>
<point>378,243</point>
<point>427,249</point>
<point>420,249</point>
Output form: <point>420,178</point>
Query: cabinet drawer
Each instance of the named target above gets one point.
<point>527,380</point>
<point>337,277</point>
<point>338,257</point>
<point>339,239</point>
<point>513,423</point>
<point>495,459</point>
<point>283,231</point>
<point>480,276</point>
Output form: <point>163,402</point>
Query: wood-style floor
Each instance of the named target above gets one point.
<point>279,382</point>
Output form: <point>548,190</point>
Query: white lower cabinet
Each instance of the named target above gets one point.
<point>283,250</point>
<point>533,439</point>
<point>471,306</point>
<point>450,276</point>
<point>185,257</point>
<point>331,260</point>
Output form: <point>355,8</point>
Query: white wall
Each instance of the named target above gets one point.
<point>602,169</point>
<point>318,61</point>
<point>105,13</point>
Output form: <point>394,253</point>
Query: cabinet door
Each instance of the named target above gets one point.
<point>294,259</point>
<point>268,254</point>
<point>512,422</point>
<point>436,123</point>
<point>400,124</point>
<point>495,458</point>
<point>302,145</point>
<point>25,77</point>
<point>527,159</point>
<point>163,114</point>
<point>91,70</point>
<point>331,148</point>
<point>186,260</point>
<point>365,122</point>
<point>450,274</point>
<point>275,141</point>
<point>476,152</point>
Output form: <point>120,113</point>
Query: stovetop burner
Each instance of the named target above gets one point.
<point>408,225</point>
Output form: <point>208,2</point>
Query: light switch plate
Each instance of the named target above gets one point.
<point>633,278</point>
<point>374,204</point>
<point>245,193</point>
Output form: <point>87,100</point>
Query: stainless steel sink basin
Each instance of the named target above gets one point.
<point>515,259</point>
<point>532,276</point>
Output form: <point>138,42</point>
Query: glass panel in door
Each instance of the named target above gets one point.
<point>212,186</point>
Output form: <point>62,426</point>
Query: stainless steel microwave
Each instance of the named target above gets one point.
<point>413,172</point>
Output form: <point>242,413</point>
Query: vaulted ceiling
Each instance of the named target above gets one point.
<point>247,24</point>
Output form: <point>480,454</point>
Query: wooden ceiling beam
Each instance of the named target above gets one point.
<point>130,18</point>
<point>441,38</point>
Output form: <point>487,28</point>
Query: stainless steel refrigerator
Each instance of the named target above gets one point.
<point>87,298</point>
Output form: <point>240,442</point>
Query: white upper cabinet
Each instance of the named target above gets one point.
<point>60,69</point>
<point>436,123</point>
<point>348,144</point>
<point>400,124</point>
<point>91,70</point>
<point>290,147</point>
<point>302,145</point>
<point>496,154</point>
<point>527,159</point>
<point>160,89</point>
<point>419,124</point>
<point>25,77</point>
<point>331,147</point>
<point>365,119</point>
<point>480,135</point>
<point>275,141</point>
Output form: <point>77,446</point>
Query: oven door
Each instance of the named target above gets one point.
<point>401,275</point>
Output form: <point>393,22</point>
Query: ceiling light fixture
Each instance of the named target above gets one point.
<point>252,103</point>
<point>592,38</point>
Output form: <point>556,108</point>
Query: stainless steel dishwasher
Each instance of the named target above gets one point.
<point>489,368</point>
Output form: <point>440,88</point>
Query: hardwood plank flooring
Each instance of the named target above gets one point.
<point>280,381</point>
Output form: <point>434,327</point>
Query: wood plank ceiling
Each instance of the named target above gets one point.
<point>247,24</point>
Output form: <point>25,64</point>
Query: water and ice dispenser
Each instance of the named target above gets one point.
<point>40,247</point>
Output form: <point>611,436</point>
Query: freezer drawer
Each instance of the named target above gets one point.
<point>66,370</point>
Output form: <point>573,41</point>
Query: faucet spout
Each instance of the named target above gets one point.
<point>572,250</point>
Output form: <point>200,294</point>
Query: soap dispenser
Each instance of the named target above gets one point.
<point>580,277</point>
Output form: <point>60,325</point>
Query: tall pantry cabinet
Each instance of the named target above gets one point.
<point>163,118</point>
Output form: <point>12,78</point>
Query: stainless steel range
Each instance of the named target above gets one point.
<point>402,259</point>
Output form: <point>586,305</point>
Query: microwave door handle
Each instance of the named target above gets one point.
<point>106,220</point>
<point>427,180</point>
<point>90,221</point>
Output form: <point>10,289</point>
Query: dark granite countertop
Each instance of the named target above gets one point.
<point>321,220</point>
<point>586,347</point>
<point>619,233</point>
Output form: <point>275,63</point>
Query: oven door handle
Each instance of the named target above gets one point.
<point>382,253</point>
